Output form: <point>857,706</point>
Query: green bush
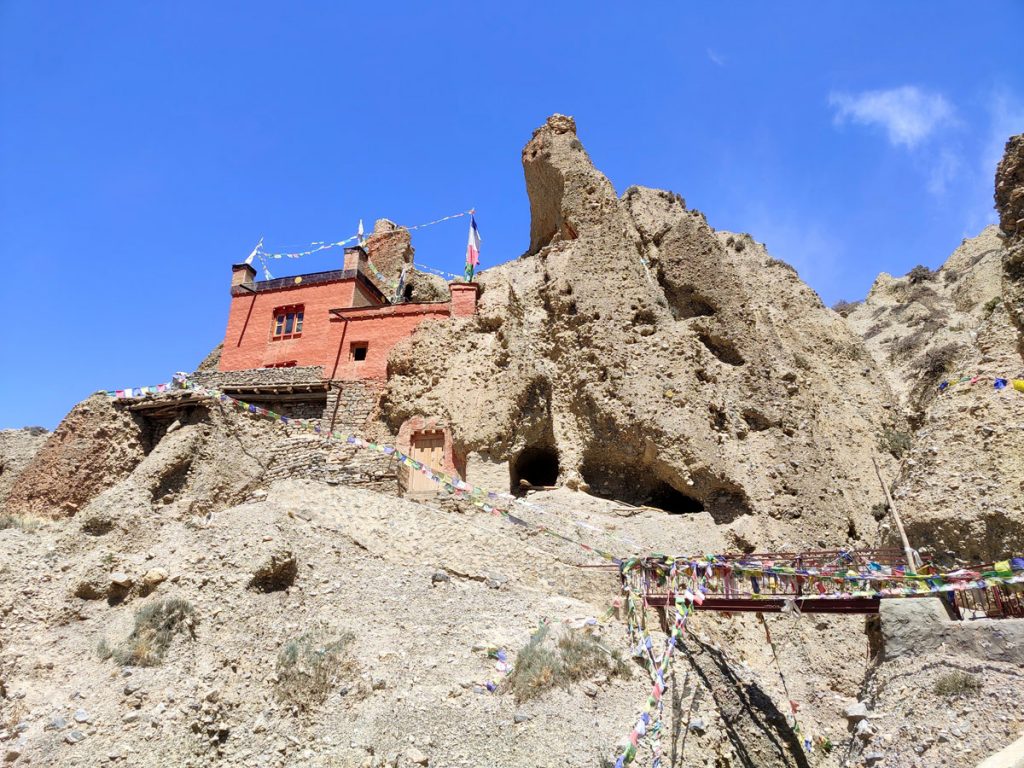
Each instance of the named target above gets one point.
<point>957,683</point>
<point>991,304</point>
<point>575,656</point>
<point>311,666</point>
<point>895,442</point>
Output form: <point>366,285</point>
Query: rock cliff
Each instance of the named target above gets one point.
<point>636,353</point>
<point>1009,197</point>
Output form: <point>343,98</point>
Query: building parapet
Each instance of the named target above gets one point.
<point>298,375</point>
<point>304,281</point>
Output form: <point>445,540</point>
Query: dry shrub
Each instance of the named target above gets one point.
<point>844,308</point>
<point>919,274</point>
<point>894,441</point>
<point>957,683</point>
<point>98,525</point>
<point>21,522</point>
<point>902,347</point>
<point>576,656</point>
<point>581,656</point>
<point>783,264</point>
<point>938,360</point>
<point>311,666</point>
<point>155,627</point>
<point>874,330</point>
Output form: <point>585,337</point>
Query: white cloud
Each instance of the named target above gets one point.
<point>908,114</point>
<point>716,58</point>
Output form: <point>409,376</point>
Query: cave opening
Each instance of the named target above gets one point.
<point>536,465</point>
<point>675,502</point>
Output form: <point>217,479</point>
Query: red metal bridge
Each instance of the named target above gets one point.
<point>814,581</point>
<point>788,594</point>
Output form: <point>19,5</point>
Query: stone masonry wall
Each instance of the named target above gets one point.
<point>300,374</point>
<point>310,457</point>
<point>352,406</point>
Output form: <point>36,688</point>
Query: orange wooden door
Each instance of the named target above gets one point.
<point>429,449</point>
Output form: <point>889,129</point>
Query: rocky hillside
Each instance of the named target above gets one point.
<point>190,585</point>
<point>961,483</point>
<point>17,449</point>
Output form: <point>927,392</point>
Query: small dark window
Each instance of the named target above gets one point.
<point>408,292</point>
<point>359,350</point>
<point>287,322</point>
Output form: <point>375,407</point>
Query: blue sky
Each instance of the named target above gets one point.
<point>145,147</point>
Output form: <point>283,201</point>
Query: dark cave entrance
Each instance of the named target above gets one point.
<point>536,465</point>
<point>664,496</point>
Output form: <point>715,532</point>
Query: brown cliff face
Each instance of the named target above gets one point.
<point>657,361</point>
<point>961,481</point>
<point>1009,194</point>
<point>1009,197</point>
<point>93,448</point>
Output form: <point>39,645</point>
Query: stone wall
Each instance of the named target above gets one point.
<point>352,406</point>
<point>300,374</point>
<point>309,457</point>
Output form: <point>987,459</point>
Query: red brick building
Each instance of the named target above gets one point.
<point>340,320</point>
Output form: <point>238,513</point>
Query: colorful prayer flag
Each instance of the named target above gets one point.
<point>472,249</point>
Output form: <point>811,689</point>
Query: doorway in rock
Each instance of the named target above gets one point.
<point>536,465</point>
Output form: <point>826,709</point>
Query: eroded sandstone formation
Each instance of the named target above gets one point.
<point>632,351</point>
<point>637,353</point>
<point>390,251</point>
<point>94,447</point>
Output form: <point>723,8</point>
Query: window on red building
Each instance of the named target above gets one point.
<point>287,322</point>
<point>359,349</point>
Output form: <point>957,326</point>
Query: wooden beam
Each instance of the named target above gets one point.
<point>911,568</point>
<point>169,404</point>
<point>270,397</point>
